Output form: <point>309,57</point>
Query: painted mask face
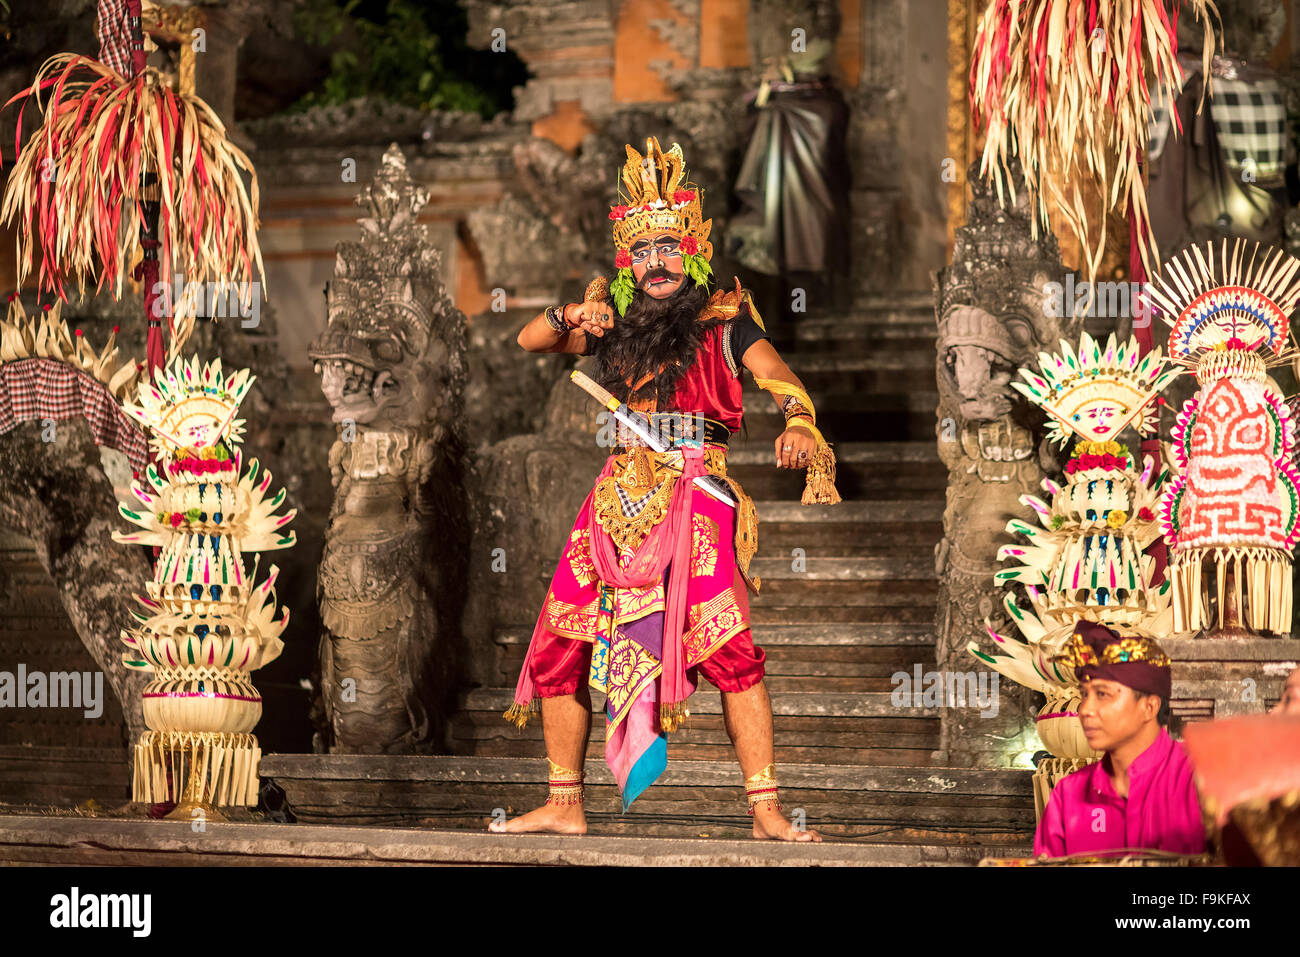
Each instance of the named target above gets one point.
<point>657,265</point>
<point>1099,420</point>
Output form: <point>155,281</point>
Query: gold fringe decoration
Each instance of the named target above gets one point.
<point>198,768</point>
<point>519,714</point>
<point>761,788</point>
<point>564,785</point>
<point>1261,587</point>
<point>671,716</point>
<point>819,486</point>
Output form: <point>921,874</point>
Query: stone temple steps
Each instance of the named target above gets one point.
<point>694,797</point>
<point>846,727</point>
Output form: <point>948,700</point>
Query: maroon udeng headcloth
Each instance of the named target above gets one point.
<point>1096,651</point>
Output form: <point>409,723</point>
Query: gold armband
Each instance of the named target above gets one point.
<point>819,488</point>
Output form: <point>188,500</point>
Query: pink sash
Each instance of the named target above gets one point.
<point>669,542</point>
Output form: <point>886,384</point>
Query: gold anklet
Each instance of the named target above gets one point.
<point>762,787</point>
<point>565,785</point>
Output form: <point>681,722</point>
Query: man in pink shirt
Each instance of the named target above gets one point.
<point>1140,795</point>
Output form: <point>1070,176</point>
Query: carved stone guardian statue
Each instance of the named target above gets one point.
<point>391,366</point>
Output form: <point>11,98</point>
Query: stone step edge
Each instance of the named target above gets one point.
<point>876,361</point>
<point>707,701</point>
<point>864,510</point>
<point>855,634</point>
<point>680,773</point>
<point>854,569</point>
<point>853,452</point>
<point>370,844</point>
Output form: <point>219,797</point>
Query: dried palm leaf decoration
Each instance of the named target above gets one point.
<point>1066,86</point>
<point>75,194</point>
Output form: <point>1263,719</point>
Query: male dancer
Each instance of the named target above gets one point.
<point>650,590</point>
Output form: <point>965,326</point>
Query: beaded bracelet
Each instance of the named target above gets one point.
<point>555,319</point>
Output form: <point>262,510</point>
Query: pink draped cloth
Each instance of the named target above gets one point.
<point>669,542</point>
<point>1084,815</point>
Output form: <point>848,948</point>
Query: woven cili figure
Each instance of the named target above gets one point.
<point>1231,518</point>
<point>1085,561</point>
<point>207,624</point>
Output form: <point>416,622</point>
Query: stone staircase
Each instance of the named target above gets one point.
<point>848,599</point>
<point>51,756</point>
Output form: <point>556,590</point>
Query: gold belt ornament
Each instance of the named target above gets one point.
<point>646,480</point>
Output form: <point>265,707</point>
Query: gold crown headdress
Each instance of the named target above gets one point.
<point>658,200</point>
<point>1118,376</point>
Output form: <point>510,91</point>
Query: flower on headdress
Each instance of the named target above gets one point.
<point>1235,343</point>
<point>1145,514</point>
<point>1089,461</point>
<point>622,259</point>
<point>1109,461</point>
<point>1116,517</point>
<point>618,212</point>
<point>683,195</point>
<point>657,204</point>
<point>176,519</point>
<point>689,245</point>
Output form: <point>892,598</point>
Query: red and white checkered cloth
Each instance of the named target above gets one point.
<point>38,389</point>
<point>115,36</point>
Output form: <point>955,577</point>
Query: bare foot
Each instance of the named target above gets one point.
<point>547,819</point>
<point>771,825</point>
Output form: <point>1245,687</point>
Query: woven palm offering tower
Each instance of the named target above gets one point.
<point>1230,519</point>
<point>1085,560</point>
<point>207,624</point>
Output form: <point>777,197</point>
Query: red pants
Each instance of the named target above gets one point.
<point>561,666</point>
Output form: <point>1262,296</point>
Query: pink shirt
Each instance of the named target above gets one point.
<point>1084,815</point>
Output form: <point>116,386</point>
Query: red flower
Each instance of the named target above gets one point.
<point>618,212</point>
<point>689,245</point>
<point>176,519</point>
<point>1144,513</point>
<point>1235,343</point>
<point>1071,467</point>
<point>683,195</point>
<point>1109,461</point>
<point>623,259</point>
<point>1089,461</point>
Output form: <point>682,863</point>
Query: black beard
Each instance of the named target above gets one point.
<point>654,333</point>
